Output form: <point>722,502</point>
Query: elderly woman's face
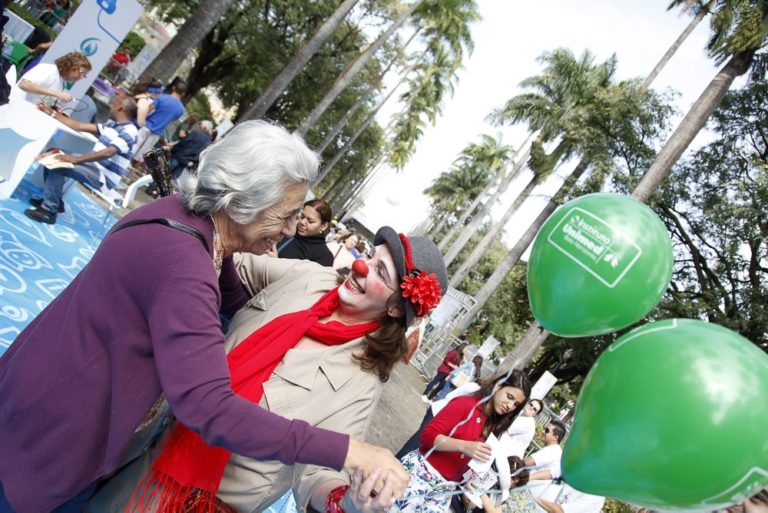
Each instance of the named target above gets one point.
<point>273,224</point>
<point>365,298</point>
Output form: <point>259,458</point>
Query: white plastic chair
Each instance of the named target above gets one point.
<point>10,75</point>
<point>115,200</point>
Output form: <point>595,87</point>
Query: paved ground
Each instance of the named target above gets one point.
<point>400,410</point>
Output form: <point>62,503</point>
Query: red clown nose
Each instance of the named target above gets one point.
<point>360,267</point>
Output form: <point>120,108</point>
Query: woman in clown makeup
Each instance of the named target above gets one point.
<point>305,347</point>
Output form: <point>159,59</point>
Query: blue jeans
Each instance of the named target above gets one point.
<point>53,188</point>
<point>434,386</point>
<point>447,389</point>
<point>73,505</point>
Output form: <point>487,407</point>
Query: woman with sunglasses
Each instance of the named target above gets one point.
<point>307,348</point>
<point>456,435</point>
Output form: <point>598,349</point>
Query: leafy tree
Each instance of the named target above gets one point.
<point>618,111</point>
<point>200,107</point>
<point>714,205</point>
<point>293,68</point>
<point>253,43</point>
<point>556,104</point>
<point>507,313</point>
<point>353,68</point>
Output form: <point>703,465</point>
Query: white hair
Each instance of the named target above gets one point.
<point>248,171</point>
<point>206,125</point>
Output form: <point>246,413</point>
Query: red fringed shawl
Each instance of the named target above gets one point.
<point>187,473</point>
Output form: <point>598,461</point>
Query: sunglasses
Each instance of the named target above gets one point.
<point>547,430</point>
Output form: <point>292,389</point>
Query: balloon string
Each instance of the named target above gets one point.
<point>475,491</point>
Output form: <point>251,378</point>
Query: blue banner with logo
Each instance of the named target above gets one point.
<point>96,29</point>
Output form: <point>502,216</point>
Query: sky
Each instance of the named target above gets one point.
<point>508,40</point>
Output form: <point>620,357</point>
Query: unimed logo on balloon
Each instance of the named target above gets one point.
<point>595,245</point>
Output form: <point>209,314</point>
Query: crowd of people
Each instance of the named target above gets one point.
<point>140,348</point>
<point>229,343</point>
<point>137,123</point>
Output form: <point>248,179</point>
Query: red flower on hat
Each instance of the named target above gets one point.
<point>423,290</point>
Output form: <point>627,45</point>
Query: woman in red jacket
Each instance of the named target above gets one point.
<point>457,435</point>
<point>453,359</point>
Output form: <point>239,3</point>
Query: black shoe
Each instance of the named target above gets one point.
<point>41,215</point>
<point>38,202</point>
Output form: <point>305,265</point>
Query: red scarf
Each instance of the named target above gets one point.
<point>187,473</point>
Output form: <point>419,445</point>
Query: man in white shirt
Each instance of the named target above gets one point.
<point>547,460</point>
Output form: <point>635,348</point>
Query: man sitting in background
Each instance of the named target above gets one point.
<point>547,459</point>
<point>186,151</point>
<point>104,166</point>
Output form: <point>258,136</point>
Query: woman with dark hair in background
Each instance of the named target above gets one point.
<point>144,93</point>
<point>468,371</point>
<point>309,242</point>
<point>456,435</point>
<point>452,360</point>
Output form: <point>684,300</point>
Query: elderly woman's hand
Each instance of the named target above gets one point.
<point>368,458</point>
<point>362,497</point>
<point>272,251</point>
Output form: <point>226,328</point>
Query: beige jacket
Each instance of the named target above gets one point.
<point>324,387</point>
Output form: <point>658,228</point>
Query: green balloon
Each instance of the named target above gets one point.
<point>600,263</point>
<point>673,416</point>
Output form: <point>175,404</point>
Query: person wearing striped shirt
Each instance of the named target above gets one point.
<point>103,167</point>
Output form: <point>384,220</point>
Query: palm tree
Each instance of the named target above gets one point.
<point>700,11</point>
<point>466,179</point>
<point>739,29</point>
<point>362,99</point>
<point>305,53</point>
<point>187,39</point>
<point>447,37</point>
<point>486,194</point>
<point>351,141</point>
<point>513,257</point>
<point>353,69</point>
<point>493,232</point>
<point>557,101</point>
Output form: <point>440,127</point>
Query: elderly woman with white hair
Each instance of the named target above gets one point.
<point>137,332</point>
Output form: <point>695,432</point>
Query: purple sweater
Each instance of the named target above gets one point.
<point>140,319</point>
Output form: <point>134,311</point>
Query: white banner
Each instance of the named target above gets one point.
<point>543,385</point>
<point>488,347</point>
<point>96,29</point>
